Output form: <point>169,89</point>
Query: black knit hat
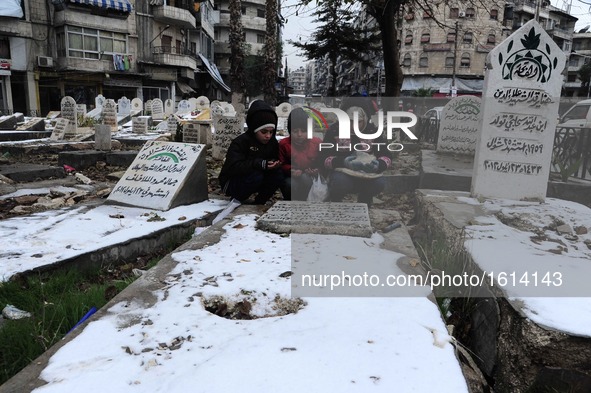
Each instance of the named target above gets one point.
<point>298,118</point>
<point>260,115</point>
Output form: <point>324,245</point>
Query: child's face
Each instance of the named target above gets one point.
<point>264,135</point>
<point>298,136</point>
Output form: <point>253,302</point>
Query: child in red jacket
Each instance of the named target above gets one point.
<point>299,157</point>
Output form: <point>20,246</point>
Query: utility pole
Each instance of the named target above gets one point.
<point>453,72</point>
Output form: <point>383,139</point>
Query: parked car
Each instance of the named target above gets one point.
<point>578,116</point>
<point>433,114</point>
<point>428,125</point>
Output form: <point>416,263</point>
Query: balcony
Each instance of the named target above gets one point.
<point>174,16</point>
<point>174,56</point>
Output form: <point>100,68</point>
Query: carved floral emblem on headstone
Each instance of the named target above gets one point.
<point>529,62</point>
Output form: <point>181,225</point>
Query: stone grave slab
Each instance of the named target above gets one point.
<point>202,102</point>
<point>327,218</point>
<point>34,124</point>
<point>110,114</point>
<point>69,109</point>
<point>148,107</point>
<point>8,122</point>
<point>164,175</point>
<point>226,129</point>
<point>123,107</point>
<point>168,107</point>
<point>157,109</point>
<point>171,124</point>
<point>519,115</point>
<point>102,137</point>
<point>98,107</point>
<point>139,124</point>
<point>59,132</point>
<point>458,130</point>
<point>81,109</point>
<point>197,131</point>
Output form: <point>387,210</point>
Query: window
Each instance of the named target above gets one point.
<point>468,37</point>
<point>260,38</point>
<point>424,61</point>
<point>571,78</point>
<point>454,12</point>
<point>88,43</point>
<point>406,61</point>
<point>470,12</point>
<point>494,14</point>
<point>408,38</point>
<point>449,60</point>
<point>261,12</point>
<point>451,36</point>
<point>573,61</point>
<point>425,37</point>
<point>492,39</point>
<point>4,48</point>
<point>465,60</point>
<point>217,34</point>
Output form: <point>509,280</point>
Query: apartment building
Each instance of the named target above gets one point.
<point>579,55</point>
<point>82,48</point>
<point>297,80</point>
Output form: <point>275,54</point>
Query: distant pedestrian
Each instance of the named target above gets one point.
<point>299,157</point>
<point>252,163</point>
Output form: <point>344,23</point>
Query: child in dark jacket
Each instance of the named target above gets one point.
<point>355,165</point>
<point>252,162</point>
<point>299,157</point>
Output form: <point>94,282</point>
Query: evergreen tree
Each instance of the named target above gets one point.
<point>270,52</point>
<point>237,41</point>
<point>336,36</point>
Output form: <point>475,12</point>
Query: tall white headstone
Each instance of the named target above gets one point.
<point>148,107</point>
<point>458,129</point>
<point>183,108</point>
<point>123,106</point>
<point>168,107</point>
<point>99,101</point>
<point>136,106</point>
<point>81,109</point>
<point>202,102</point>
<point>70,112</point>
<point>110,114</point>
<point>519,115</point>
<point>157,109</point>
<point>193,102</point>
<point>226,128</point>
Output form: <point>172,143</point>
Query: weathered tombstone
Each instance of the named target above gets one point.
<point>157,109</point>
<point>202,103</point>
<point>59,131</point>
<point>171,124</point>
<point>53,115</point>
<point>33,124</point>
<point>228,109</point>
<point>217,109</point>
<point>197,131</point>
<point>458,129</point>
<point>183,108</point>
<point>99,101</point>
<point>139,124</point>
<point>81,109</point>
<point>136,106</point>
<point>282,112</point>
<point>193,103</point>
<point>226,129</point>
<point>102,137</point>
<point>348,219</point>
<point>98,107</point>
<point>519,116</point>
<point>168,107</point>
<point>68,108</point>
<point>148,107</point>
<point>123,107</point>
<point>164,175</point>
<point>110,114</point>
<point>240,109</point>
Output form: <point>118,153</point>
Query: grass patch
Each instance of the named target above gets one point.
<point>57,301</point>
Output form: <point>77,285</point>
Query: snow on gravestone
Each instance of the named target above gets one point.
<point>157,109</point>
<point>69,109</point>
<point>458,129</point>
<point>226,128</point>
<point>164,175</point>
<point>519,116</point>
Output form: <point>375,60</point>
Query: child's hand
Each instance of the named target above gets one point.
<point>272,164</point>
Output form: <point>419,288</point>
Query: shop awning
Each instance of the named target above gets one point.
<point>411,83</point>
<point>215,74</point>
<point>184,88</point>
<point>120,5</point>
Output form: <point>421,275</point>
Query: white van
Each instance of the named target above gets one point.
<point>578,116</point>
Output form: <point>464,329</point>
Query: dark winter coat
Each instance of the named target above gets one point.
<point>245,153</point>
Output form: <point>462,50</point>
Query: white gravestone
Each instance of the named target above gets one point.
<point>148,107</point>
<point>139,124</point>
<point>519,115</point>
<point>168,107</point>
<point>202,103</point>
<point>69,111</point>
<point>110,114</point>
<point>81,109</point>
<point>226,128</point>
<point>99,101</point>
<point>123,106</point>
<point>102,137</point>
<point>59,131</point>
<point>164,175</point>
<point>171,124</point>
<point>157,109</point>
<point>197,131</point>
<point>283,110</point>
<point>458,129</point>
<point>183,108</point>
<point>98,107</point>
<point>136,106</point>
<point>193,103</point>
